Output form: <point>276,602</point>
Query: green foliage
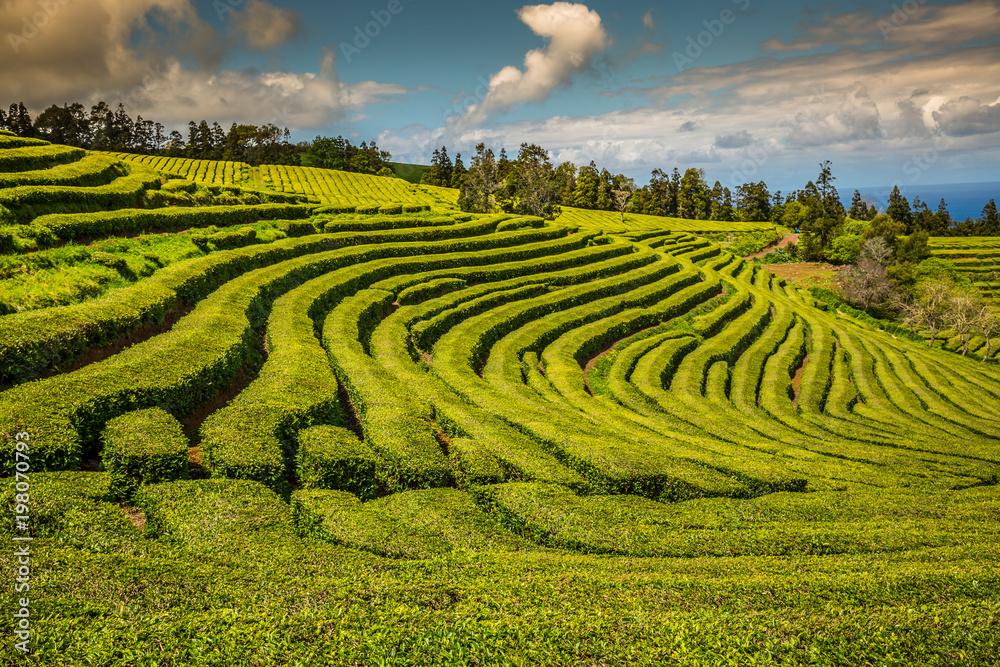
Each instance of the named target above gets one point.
<point>884,226</point>
<point>748,243</point>
<point>855,227</point>
<point>935,268</point>
<point>413,524</point>
<point>475,463</point>
<point>429,290</point>
<point>84,225</point>
<point>844,249</point>
<point>206,515</point>
<point>913,249</point>
<point>518,496</point>
<point>330,457</point>
<point>36,156</point>
<point>833,300</point>
<point>143,447</point>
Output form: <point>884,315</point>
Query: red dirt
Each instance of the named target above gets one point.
<point>136,516</point>
<point>785,241</point>
<point>806,274</point>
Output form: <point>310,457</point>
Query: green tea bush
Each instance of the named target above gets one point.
<point>144,447</point>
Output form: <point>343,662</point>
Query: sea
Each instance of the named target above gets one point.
<point>964,200</point>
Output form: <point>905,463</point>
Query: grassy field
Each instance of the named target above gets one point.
<point>358,427</point>
<point>411,173</point>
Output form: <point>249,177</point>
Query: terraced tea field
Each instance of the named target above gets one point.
<point>429,437</point>
<point>337,188</point>
<point>976,257</point>
<point>637,223</point>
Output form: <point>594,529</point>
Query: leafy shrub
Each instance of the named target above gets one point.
<point>144,447</point>
<point>180,185</point>
<point>296,228</point>
<point>429,290</point>
<point>330,457</point>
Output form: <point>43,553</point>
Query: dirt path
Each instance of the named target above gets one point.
<point>785,241</point>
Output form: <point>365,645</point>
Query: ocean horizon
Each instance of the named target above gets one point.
<point>964,200</point>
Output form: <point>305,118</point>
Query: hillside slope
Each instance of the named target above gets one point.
<point>427,437</point>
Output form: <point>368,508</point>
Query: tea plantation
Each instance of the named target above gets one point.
<point>291,416</point>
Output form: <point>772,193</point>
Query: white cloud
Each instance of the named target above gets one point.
<point>966,116</point>
<point>855,119</point>
<point>737,140</point>
<point>107,50</point>
<point>575,36</point>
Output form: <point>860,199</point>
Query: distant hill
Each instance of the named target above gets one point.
<point>409,172</point>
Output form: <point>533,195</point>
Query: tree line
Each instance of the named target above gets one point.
<point>102,128</point>
<point>496,182</point>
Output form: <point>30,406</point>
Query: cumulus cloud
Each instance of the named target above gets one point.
<point>855,119</point>
<point>66,51</point>
<point>264,26</point>
<point>737,140</point>
<point>965,117</point>
<point>575,36</point>
<point>911,120</point>
<point>689,126</point>
<point>162,61</point>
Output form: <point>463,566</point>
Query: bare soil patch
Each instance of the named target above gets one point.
<point>806,274</point>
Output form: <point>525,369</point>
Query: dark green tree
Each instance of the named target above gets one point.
<point>943,221</point>
<point>19,120</point>
<point>860,209</point>
<point>899,209</point>
<point>588,185</point>
<point>534,186</point>
<point>481,183</point>
<point>990,221</point>
<point>458,172</point>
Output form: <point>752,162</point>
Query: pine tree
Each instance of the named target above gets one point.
<point>859,208</point>
<point>944,220</point>
<point>899,209</point>
<point>458,172</point>
<point>587,187</point>
<point>990,221</point>
<point>19,120</point>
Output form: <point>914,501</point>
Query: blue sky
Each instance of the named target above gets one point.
<point>892,92</point>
